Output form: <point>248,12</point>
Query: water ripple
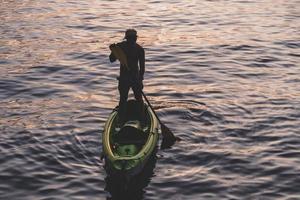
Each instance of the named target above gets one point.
<point>222,75</point>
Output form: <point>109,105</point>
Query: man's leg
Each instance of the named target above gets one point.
<point>123,90</point>
<point>137,91</point>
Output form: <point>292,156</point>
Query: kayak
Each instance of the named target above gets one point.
<point>127,146</point>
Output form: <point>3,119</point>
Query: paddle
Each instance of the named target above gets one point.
<point>168,137</point>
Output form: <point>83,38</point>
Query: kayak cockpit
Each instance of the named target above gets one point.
<point>129,144</point>
<point>131,133</point>
<point>129,140</point>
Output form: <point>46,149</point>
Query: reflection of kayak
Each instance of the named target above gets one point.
<point>128,147</point>
<point>121,187</point>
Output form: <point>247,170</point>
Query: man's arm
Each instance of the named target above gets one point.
<point>112,57</point>
<point>142,63</point>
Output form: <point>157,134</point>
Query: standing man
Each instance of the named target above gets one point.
<point>132,75</point>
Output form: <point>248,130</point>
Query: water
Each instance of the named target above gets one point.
<point>223,75</point>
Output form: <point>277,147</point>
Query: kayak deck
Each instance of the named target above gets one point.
<point>126,148</point>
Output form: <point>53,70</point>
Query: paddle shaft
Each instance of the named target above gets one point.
<point>151,107</point>
<point>168,137</point>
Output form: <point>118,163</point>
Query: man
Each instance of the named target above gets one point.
<point>132,75</point>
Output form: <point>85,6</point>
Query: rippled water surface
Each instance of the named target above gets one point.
<point>224,75</point>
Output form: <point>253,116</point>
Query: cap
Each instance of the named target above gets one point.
<point>130,33</point>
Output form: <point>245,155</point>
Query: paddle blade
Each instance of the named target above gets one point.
<point>168,139</point>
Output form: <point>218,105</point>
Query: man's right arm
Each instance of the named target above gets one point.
<point>112,57</point>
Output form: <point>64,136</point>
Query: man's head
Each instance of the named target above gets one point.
<point>131,35</point>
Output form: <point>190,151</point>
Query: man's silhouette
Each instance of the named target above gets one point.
<point>133,75</point>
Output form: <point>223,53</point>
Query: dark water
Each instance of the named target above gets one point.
<point>223,75</point>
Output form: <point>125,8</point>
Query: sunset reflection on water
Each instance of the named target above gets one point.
<point>222,75</point>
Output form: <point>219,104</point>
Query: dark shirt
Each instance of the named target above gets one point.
<point>135,59</point>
